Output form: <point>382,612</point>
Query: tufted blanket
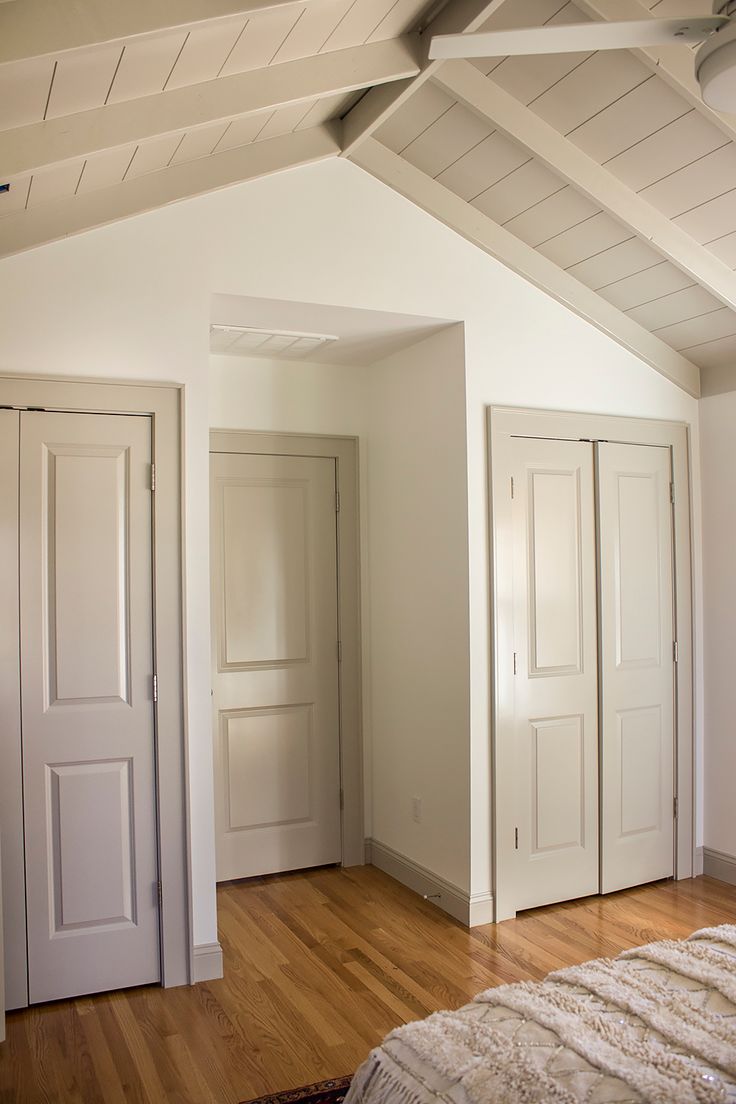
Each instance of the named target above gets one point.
<point>657,1024</point>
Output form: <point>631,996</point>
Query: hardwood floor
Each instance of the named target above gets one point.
<point>319,967</point>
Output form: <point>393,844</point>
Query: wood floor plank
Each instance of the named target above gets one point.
<point>319,967</point>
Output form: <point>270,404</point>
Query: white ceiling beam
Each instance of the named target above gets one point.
<point>487,99</point>
<point>35,28</point>
<point>673,62</point>
<point>51,221</point>
<point>478,228</point>
<point>69,137</point>
<point>379,104</point>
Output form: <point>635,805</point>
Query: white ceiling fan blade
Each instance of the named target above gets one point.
<point>575,37</point>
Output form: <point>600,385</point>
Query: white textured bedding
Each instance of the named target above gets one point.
<point>655,1025</point>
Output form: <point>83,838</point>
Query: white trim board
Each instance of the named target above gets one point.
<point>207,962</point>
<point>471,909</point>
<point>719,864</point>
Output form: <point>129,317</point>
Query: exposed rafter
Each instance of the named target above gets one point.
<point>672,62</point>
<point>523,259</point>
<point>380,103</point>
<point>34,28</point>
<point>51,221</point>
<point>29,148</point>
<point>483,96</point>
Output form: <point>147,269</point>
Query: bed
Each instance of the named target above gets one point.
<point>657,1024</point>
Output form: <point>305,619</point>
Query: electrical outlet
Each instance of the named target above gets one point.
<point>416,809</point>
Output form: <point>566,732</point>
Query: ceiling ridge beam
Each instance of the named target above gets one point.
<point>70,137</point>
<point>51,221</point>
<point>380,104</point>
<point>511,251</point>
<point>493,104</point>
<point>37,28</point>
<point>673,62</point>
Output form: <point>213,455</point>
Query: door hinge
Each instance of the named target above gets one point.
<point>516,839</point>
<point>339,651</point>
<point>674,808</point>
<point>675,652</point>
<point>337,502</point>
<point>515,667</point>
<point>155,688</point>
<point>160,894</point>
<point>153,477</point>
<point>672,493</point>
<point>512,486</point>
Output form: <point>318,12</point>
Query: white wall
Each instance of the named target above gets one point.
<point>418,613</point>
<point>131,301</point>
<point>718,450</point>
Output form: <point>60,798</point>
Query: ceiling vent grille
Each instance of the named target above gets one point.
<point>249,341</point>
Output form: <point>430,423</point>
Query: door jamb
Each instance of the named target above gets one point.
<point>344,451</point>
<point>507,422</point>
<point>164,404</point>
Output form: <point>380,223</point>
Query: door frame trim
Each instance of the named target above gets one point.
<point>344,451</point>
<point>506,422</point>
<point>163,403</point>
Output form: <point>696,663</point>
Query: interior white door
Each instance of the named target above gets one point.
<point>555,775</point>
<point>275,674</point>
<point>637,665</point>
<point>87,710</point>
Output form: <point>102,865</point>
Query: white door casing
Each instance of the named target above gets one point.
<point>11,789</point>
<point>637,665</point>
<point>555,722</point>
<point>275,673</point>
<point>87,703</point>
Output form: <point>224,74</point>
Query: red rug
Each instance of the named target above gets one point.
<point>326,1092</point>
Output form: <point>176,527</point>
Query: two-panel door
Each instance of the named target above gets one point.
<point>637,665</point>
<point>84,531</point>
<point>275,663</point>
<point>555,735</point>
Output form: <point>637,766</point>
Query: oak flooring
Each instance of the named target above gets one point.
<point>319,967</point>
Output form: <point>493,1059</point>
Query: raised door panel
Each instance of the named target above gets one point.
<point>555,578</point>
<point>275,689</point>
<point>555,671</point>
<point>11,784</point>
<point>637,700</point>
<point>264,532</point>
<point>87,616</point>
<point>87,708</point>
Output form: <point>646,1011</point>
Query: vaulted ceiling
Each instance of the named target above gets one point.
<point>601,177</point>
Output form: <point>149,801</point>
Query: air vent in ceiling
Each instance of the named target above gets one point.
<point>248,341</point>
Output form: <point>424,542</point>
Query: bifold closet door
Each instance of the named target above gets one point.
<point>87,706</point>
<point>555,736</point>
<point>637,665</point>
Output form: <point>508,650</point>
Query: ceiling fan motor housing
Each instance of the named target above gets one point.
<point>715,62</point>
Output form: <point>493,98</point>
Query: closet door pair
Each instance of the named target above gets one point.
<point>594,679</point>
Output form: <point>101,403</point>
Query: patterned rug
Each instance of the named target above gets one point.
<point>326,1092</point>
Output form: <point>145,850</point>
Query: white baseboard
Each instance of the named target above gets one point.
<point>470,909</point>
<point>697,862</point>
<point>718,864</point>
<point>207,962</point>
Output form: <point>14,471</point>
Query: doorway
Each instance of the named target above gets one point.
<point>285,662</point>
<point>91,767</point>
<point>592,680</point>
